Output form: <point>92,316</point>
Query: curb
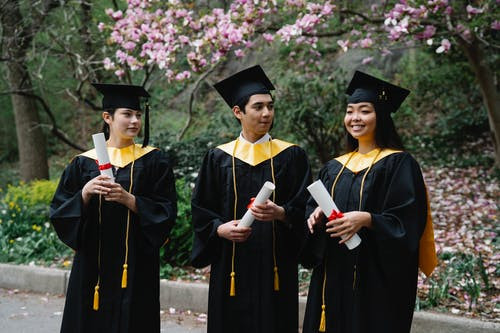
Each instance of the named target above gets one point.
<point>194,296</point>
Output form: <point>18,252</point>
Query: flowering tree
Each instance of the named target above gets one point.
<point>183,41</point>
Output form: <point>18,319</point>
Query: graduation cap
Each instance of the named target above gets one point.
<point>245,83</point>
<point>366,88</point>
<point>125,96</point>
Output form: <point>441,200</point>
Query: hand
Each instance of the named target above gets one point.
<point>230,231</point>
<point>314,219</point>
<point>118,194</point>
<point>97,185</point>
<point>268,211</point>
<point>348,225</point>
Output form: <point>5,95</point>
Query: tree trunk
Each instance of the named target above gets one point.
<point>30,137</point>
<point>486,80</point>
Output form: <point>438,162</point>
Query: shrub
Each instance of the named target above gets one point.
<point>178,250</point>
<point>25,232</point>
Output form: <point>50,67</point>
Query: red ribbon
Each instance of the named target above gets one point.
<point>250,203</point>
<point>334,215</point>
<point>105,166</point>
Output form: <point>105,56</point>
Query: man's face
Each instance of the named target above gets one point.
<point>258,116</point>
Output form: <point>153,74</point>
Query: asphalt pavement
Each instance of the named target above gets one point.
<point>22,312</point>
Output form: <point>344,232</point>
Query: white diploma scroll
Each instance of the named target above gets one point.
<point>325,202</point>
<point>101,150</point>
<point>262,196</point>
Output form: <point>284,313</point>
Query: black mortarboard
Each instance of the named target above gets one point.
<point>246,83</point>
<point>384,95</point>
<point>125,96</point>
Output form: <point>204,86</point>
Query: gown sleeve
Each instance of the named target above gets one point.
<point>402,217</point>
<point>295,206</point>
<point>66,209</point>
<point>157,208</point>
<point>205,205</point>
<point>314,247</point>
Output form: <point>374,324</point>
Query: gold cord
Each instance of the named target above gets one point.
<point>322,327</point>
<point>125,264</point>
<point>232,288</point>
<point>95,305</point>
<point>275,268</point>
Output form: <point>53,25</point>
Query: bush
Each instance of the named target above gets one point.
<point>178,250</point>
<point>444,121</point>
<point>34,193</point>
<point>26,234</point>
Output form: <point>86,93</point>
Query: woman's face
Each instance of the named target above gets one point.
<point>124,123</point>
<point>360,120</point>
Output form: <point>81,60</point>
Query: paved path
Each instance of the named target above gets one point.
<point>22,312</point>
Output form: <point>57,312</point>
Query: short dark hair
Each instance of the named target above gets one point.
<point>386,135</point>
<point>242,103</point>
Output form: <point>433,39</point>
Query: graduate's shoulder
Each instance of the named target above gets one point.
<point>278,146</point>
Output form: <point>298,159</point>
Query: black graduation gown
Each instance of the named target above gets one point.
<point>256,308</point>
<point>378,295</point>
<point>136,308</point>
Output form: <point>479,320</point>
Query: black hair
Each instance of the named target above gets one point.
<point>242,103</point>
<point>105,126</point>
<point>386,135</point>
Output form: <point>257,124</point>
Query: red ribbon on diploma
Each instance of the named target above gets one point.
<point>250,203</point>
<point>105,166</point>
<point>335,215</point>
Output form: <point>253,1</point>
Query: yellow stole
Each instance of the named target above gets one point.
<point>254,154</point>
<point>427,258</point>
<point>121,157</point>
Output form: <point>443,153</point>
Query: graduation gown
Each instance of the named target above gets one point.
<point>135,308</point>
<point>372,288</point>
<point>256,307</point>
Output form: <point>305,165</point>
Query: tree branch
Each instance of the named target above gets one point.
<point>191,100</point>
<point>364,17</point>
<point>54,130</point>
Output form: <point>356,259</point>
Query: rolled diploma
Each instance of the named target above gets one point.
<point>327,205</point>
<point>262,196</point>
<point>101,150</point>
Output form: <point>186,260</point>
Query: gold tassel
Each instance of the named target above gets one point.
<point>96,298</point>
<point>322,323</point>
<point>124,276</point>
<point>276,279</point>
<point>232,290</point>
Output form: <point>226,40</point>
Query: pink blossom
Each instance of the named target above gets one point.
<point>429,31</point>
<point>120,72</point>
<point>184,39</point>
<point>268,37</point>
<point>101,26</point>
<point>239,53</point>
<point>344,45</point>
<point>367,60</point>
<point>473,11</point>
<point>108,64</point>
<point>117,15</point>
<point>129,46</point>
<point>366,42</point>
<point>495,25</point>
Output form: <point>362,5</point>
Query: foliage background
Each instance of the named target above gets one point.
<point>443,123</point>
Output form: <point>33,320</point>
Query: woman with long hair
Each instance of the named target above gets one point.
<point>116,228</point>
<point>382,197</point>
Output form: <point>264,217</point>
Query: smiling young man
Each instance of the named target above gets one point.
<point>254,279</point>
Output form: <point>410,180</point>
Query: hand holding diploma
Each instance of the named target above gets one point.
<point>260,200</point>
<point>231,231</point>
<point>101,150</point>
<point>336,218</point>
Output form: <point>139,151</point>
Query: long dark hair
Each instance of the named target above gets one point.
<point>105,126</point>
<point>386,135</point>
